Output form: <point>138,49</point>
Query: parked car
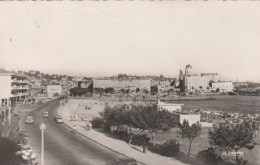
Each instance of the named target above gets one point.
<point>45,114</point>
<point>25,152</point>
<point>123,161</point>
<point>40,102</point>
<point>58,119</point>
<point>17,115</point>
<point>29,120</point>
<point>21,141</point>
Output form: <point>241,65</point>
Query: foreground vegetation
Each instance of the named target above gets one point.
<point>8,146</point>
<point>119,121</point>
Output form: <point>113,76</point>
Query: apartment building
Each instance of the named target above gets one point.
<point>195,82</point>
<point>13,88</point>
<point>118,84</point>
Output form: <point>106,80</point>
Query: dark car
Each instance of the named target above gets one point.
<point>123,161</point>
<point>40,102</point>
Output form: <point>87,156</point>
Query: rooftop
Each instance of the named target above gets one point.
<point>168,104</point>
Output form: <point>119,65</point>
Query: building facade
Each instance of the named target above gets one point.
<point>194,82</point>
<point>53,89</point>
<point>169,106</point>
<point>223,86</point>
<point>118,84</point>
<point>179,117</point>
<point>14,88</point>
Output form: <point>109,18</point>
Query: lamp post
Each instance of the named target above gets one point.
<point>42,128</point>
<point>9,115</point>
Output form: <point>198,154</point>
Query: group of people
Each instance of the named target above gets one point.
<point>88,127</point>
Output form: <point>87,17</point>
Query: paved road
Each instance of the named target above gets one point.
<point>62,147</point>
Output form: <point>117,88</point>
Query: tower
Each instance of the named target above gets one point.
<point>188,69</point>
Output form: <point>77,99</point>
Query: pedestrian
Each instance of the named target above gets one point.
<point>74,128</point>
<point>144,147</point>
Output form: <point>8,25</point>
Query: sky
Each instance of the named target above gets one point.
<point>101,38</point>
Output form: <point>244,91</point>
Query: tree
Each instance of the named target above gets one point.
<point>7,152</point>
<point>154,89</point>
<point>190,132</point>
<point>123,91</point>
<point>217,90</point>
<point>200,88</point>
<point>210,83</point>
<point>112,116</point>
<point>162,76</point>
<point>100,91</point>
<point>127,91</point>
<point>109,90</point>
<point>79,91</point>
<point>232,137</point>
<point>146,91</point>
<point>90,87</point>
<point>156,120</point>
<point>56,94</point>
<point>137,90</point>
<point>173,83</point>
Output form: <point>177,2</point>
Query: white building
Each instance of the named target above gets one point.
<point>169,106</point>
<point>118,84</point>
<point>13,88</point>
<point>53,89</point>
<point>223,86</point>
<point>192,118</point>
<point>179,116</point>
<point>194,82</point>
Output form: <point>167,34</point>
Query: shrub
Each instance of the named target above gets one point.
<point>209,157</point>
<point>169,148</point>
<point>56,95</point>
<point>140,140</point>
<point>122,135</point>
<point>97,122</point>
<point>107,127</point>
<point>7,152</point>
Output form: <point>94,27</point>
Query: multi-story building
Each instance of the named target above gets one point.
<point>54,89</point>
<point>118,84</point>
<point>13,88</point>
<point>223,86</point>
<point>210,76</point>
<point>195,82</point>
<point>161,82</point>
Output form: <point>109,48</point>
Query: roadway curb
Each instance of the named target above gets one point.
<point>101,144</point>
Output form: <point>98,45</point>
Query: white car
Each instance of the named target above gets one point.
<point>45,114</point>
<point>26,152</point>
<point>58,119</point>
<point>29,120</point>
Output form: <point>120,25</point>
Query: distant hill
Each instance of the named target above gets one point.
<point>2,70</point>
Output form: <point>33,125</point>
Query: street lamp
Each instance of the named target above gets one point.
<point>42,128</point>
<point>9,115</point>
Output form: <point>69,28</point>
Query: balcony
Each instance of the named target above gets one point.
<point>20,87</point>
<point>19,94</point>
<point>14,80</point>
